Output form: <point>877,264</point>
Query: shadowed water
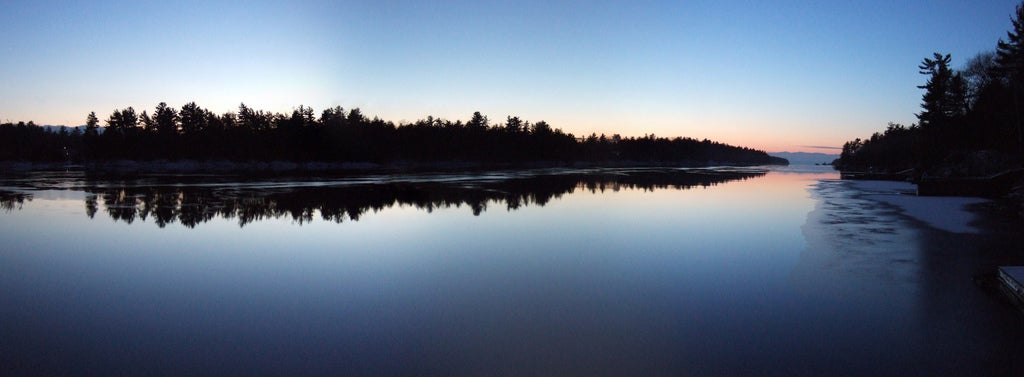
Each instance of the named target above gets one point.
<point>554,272</point>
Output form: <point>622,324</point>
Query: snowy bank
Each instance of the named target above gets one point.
<point>945,213</point>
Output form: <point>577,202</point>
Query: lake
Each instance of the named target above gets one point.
<point>729,271</point>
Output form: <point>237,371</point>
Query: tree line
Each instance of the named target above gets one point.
<point>963,111</point>
<point>339,135</point>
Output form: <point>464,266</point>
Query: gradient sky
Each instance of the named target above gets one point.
<point>773,75</point>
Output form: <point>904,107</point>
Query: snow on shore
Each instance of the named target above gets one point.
<point>945,213</point>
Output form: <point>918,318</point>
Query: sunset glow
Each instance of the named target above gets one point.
<point>774,76</point>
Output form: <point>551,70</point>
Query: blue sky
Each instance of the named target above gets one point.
<point>774,75</point>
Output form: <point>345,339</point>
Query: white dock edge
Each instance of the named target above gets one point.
<point>1011,279</point>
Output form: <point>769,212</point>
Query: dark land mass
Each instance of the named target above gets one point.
<point>193,138</point>
<point>969,138</point>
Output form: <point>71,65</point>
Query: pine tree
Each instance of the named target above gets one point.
<point>166,120</point>
<point>192,118</point>
<point>1010,58</point>
<point>147,123</point>
<point>92,125</point>
<point>1010,53</point>
<point>944,98</point>
<point>114,122</point>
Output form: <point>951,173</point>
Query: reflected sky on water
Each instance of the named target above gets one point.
<point>660,273</point>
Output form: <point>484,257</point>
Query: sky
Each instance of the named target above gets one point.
<point>771,75</point>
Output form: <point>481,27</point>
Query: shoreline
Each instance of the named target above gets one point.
<point>226,166</point>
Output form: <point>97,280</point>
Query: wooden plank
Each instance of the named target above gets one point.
<point>1010,281</point>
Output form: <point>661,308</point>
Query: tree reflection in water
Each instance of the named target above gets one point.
<point>192,203</point>
<point>13,200</point>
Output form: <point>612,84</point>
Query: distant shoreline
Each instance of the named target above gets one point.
<point>225,166</point>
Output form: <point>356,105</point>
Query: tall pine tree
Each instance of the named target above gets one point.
<point>1010,58</point>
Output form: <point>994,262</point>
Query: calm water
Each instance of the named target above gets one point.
<point>599,272</point>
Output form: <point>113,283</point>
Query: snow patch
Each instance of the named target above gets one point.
<point>947,213</point>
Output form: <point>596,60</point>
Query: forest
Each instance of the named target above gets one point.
<point>970,119</point>
<point>339,135</point>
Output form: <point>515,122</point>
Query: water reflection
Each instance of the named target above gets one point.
<point>10,200</point>
<point>756,277</point>
<point>166,200</point>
